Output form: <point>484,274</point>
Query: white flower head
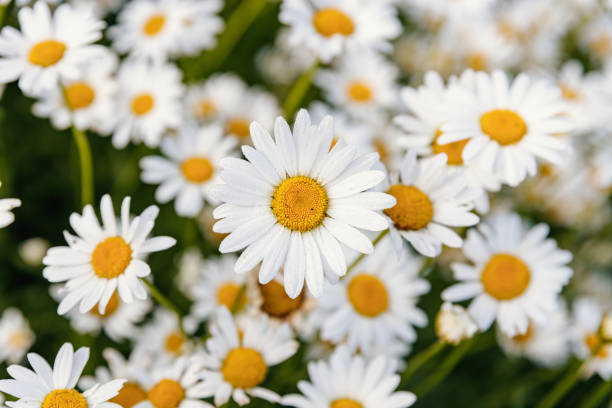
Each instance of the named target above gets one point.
<point>16,337</point>
<point>454,324</point>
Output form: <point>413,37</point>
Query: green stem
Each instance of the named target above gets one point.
<point>598,396</point>
<point>165,302</point>
<point>84,150</point>
<point>561,388</point>
<point>361,256</point>
<point>420,359</point>
<point>2,13</point>
<point>238,300</point>
<point>298,91</point>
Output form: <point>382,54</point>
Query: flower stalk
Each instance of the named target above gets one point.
<point>86,165</point>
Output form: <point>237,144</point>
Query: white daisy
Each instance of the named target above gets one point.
<point>200,25</point>
<point>454,324</point>
<point>587,340</point>
<point>516,277</point>
<point>6,205</point>
<point>293,200</point>
<point>192,166</point>
<point>350,382</point>
<point>102,259</point>
<point>48,47</point>
<point>46,388</point>
<point>189,270</point>
<point>236,365</point>
<point>328,27</point>
<point>162,338</point>
<point>33,250</point>
<point>16,337</point>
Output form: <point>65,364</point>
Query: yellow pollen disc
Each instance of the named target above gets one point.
<point>413,209</point>
<point>197,169</point>
<point>166,394</point>
<point>299,203</point>
<point>227,294</point>
<point>276,303</point>
<point>46,53</point>
<point>110,257</point>
<point>569,93</point>
<point>368,295</point>
<point>453,150</point>
<point>174,342</point>
<point>129,395</point>
<point>596,344</point>
<point>154,24</point>
<point>19,339</point>
<point>345,403</point>
<point>505,276</point>
<point>238,127</point>
<point>330,21</point>
<point>359,91</point>
<point>504,126</point>
<point>204,109</point>
<point>525,337</point>
<point>142,104</point>
<point>602,45</point>
<point>111,306</point>
<point>79,95</point>
<point>244,368</point>
<point>64,399</point>
<point>477,62</point>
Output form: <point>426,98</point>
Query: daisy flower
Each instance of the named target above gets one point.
<point>148,102</point>
<point>162,338</point>
<point>200,25</point>
<point>588,341</point>
<point>516,276</point>
<point>33,250</point>
<point>509,125</point>
<point>236,364</point>
<point>46,387</point>
<point>100,260</point>
<point>48,47</point>
<point>454,324</point>
<point>294,200</point>
<point>350,382</point>
<point>189,270</point>
<point>16,337</point>
<point>6,205</point>
<point>192,166</point>
<point>328,27</point>
<point>376,302</point>
<point>431,197</point>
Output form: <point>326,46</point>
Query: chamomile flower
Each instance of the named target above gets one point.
<point>200,25</point>
<point>328,27</point>
<point>509,125</point>
<point>516,276</point>
<point>162,338</point>
<point>102,259</point>
<point>454,324</point>
<point>48,47</point>
<point>431,199</point>
<point>294,200</point>
<point>236,364</point>
<point>46,387</point>
<point>190,168</point>
<point>587,338</point>
<point>6,205</point>
<point>148,102</point>
<point>375,303</point>
<point>350,382</point>
<point>16,337</point>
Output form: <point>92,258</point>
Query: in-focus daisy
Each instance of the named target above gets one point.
<point>192,166</point>
<point>328,27</point>
<point>237,360</point>
<point>102,259</point>
<point>16,337</point>
<point>294,200</point>
<point>48,388</point>
<point>148,103</point>
<point>588,341</point>
<point>516,276</point>
<point>48,47</point>
<point>162,338</point>
<point>431,199</point>
<point>350,382</point>
<point>6,205</point>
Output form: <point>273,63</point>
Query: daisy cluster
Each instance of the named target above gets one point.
<point>306,203</point>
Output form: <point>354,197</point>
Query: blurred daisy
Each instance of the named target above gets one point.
<point>46,388</point>
<point>237,360</point>
<point>588,341</point>
<point>100,260</point>
<point>162,338</point>
<point>189,270</point>
<point>516,277</point>
<point>148,102</point>
<point>328,27</point>
<point>6,205</point>
<point>16,337</point>
<point>33,250</point>
<point>430,198</point>
<point>192,166</point>
<point>48,47</point>
<point>200,25</point>
<point>454,324</point>
<point>293,200</point>
<point>350,382</point>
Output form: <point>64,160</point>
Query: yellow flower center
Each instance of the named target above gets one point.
<point>504,126</point>
<point>64,399</point>
<point>330,21</point>
<point>46,53</point>
<point>477,61</point>
<point>413,209</point>
<point>142,104</point>
<point>345,403</point>
<point>197,169</point>
<point>453,150</point>
<point>525,337</point>
<point>111,306</point>
<point>244,368</point>
<point>359,92</point>
<point>299,203</point>
<point>227,294</point>
<point>505,276</point>
<point>166,394</point>
<point>238,127</point>
<point>154,25</point>
<point>381,149</point>
<point>276,303</point>
<point>79,95</point>
<point>204,109</point>
<point>174,342</point>
<point>368,295</point>
<point>569,92</point>
<point>129,395</point>
<point>19,339</point>
<point>110,257</point>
